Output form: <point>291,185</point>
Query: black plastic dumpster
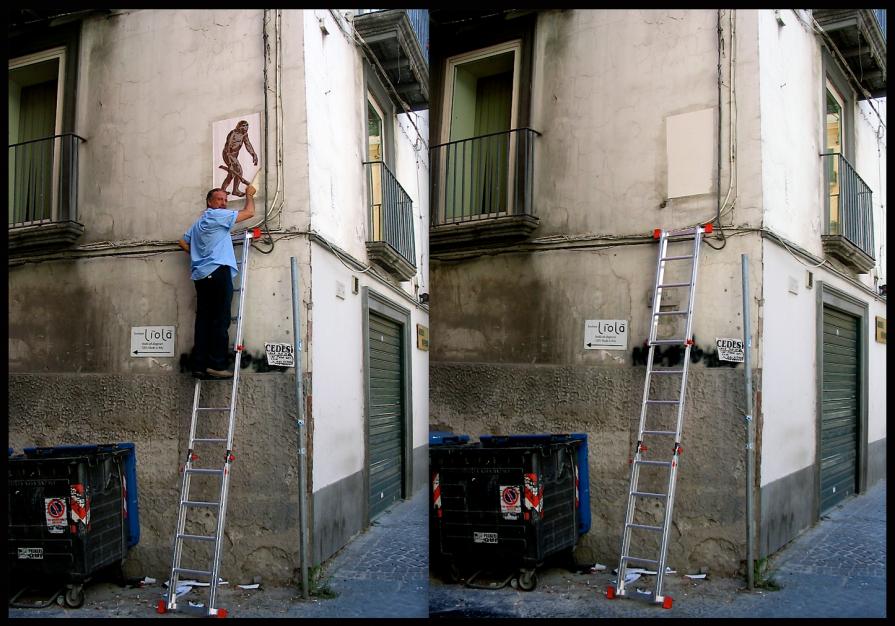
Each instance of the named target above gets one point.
<point>514,500</point>
<point>66,509</point>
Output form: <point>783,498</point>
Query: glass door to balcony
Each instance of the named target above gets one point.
<point>376,156</point>
<point>474,168</point>
<point>834,144</point>
<point>34,121</point>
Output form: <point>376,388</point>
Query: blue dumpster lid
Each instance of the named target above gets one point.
<point>529,439</point>
<point>74,449</point>
<point>438,438</point>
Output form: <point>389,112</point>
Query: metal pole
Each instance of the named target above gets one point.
<point>750,428</point>
<point>302,448</point>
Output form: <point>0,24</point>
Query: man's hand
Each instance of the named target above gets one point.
<point>251,191</point>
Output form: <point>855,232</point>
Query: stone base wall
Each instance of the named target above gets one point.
<point>708,527</point>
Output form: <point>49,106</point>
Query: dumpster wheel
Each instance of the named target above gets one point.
<point>74,596</point>
<point>528,580</point>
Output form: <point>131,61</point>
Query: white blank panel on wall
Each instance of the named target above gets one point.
<point>689,147</point>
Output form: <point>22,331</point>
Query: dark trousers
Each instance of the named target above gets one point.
<point>214,295</point>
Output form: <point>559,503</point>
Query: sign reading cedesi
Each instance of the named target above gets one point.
<point>730,350</point>
<point>280,354</point>
<point>606,334</point>
<point>152,341</point>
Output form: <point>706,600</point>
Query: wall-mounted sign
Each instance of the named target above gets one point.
<point>152,341</point>
<point>280,354</point>
<point>422,337</point>
<point>236,153</point>
<point>606,334</point>
<point>730,350</point>
<point>881,329</point>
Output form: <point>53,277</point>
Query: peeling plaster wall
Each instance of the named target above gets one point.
<point>152,410</point>
<point>604,402</point>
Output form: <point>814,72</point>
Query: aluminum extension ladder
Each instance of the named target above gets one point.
<point>653,433</point>
<point>169,601</point>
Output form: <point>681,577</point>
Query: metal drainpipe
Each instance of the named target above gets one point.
<point>750,427</point>
<point>302,437</point>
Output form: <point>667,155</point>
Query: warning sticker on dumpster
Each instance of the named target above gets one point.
<point>478,537</point>
<point>510,501</point>
<point>31,553</point>
<point>56,512</point>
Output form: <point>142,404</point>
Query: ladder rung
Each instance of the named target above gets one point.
<point>212,408</point>
<point>659,432</point>
<point>675,285</point>
<point>667,372</point>
<point>191,572</point>
<point>640,560</point>
<point>644,462</point>
<point>671,312</point>
<point>207,440</point>
<point>647,494</point>
<point>657,529</point>
<point>669,342</point>
<point>197,537</point>
<point>200,503</point>
<point>677,257</point>
<point>195,470</point>
<point>663,401</point>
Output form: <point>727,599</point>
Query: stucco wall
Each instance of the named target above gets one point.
<point>604,402</point>
<point>152,410</point>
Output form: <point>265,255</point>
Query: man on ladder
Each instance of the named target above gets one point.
<point>213,267</point>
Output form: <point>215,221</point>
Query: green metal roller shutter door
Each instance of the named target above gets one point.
<point>839,408</point>
<point>386,427</point>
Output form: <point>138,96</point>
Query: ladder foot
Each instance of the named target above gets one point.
<point>161,607</point>
<point>667,601</point>
<point>220,613</point>
<point>610,593</point>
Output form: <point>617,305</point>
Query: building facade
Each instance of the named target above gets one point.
<point>560,140</point>
<point>117,122</point>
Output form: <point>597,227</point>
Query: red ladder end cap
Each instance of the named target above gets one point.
<point>240,348</point>
<point>657,233</point>
<point>666,603</point>
<point>221,613</point>
<point>256,233</point>
<point>709,228</point>
<point>610,593</point>
<point>161,607</point>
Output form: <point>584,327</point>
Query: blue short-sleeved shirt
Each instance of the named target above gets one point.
<point>210,243</point>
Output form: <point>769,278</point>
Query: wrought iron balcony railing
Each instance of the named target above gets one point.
<point>390,219</point>
<point>43,180</point>
<point>483,177</point>
<point>419,21</point>
<point>850,206</point>
<point>880,15</point>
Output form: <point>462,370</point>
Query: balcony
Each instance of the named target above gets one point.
<point>399,39</point>
<point>848,232</point>
<point>482,190</point>
<point>860,35</point>
<point>43,192</point>
<point>390,243</point>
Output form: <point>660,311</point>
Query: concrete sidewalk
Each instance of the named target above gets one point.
<point>382,572</point>
<point>835,569</point>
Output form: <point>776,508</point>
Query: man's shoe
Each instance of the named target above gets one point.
<point>219,373</point>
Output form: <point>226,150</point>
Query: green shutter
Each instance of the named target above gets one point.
<point>839,408</point>
<point>386,427</point>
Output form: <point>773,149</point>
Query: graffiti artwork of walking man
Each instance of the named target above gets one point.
<point>236,138</point>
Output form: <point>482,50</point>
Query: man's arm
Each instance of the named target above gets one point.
<point>248,145</point>
<point>249,210</point>
<point>183,245</point>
